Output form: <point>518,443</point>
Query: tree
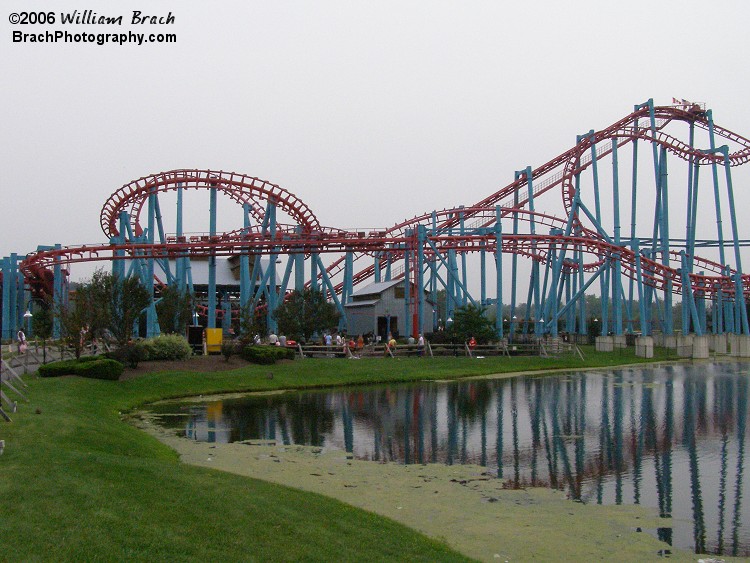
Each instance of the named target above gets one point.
<point>74,319</point>
<point>471,321</point>
<point>103,303</point>
<point>251,322</point>
<point>305,312</point>
<point>128,299</point>
<point>174,309</point>
<point>41,324</point>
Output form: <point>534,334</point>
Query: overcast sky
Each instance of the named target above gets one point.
<point>370,112</point>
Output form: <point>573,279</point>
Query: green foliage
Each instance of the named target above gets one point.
<point>252,322</point>
<point>470,321</point>
<point>175,310</point>
<point>100,369</point>
<point>41,322</point>
<point>74,319</point>
<point>56,369</point>
<point>127,300</point>
<point>229,348</point>
<point>94,367</point>
<point>305,312</point>
<point>104,303</point>
<point>266,355</point>
<point>166,347</point>
<point>130,354</point>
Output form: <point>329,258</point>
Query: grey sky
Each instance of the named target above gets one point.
<point>370,112</point>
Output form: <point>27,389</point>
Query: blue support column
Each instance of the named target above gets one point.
<point>717,195</point>
<point>603,292</point>
<point>7,307</point>
<point>314,272</point>
<point>582,321</point>
<point>633,209</point>
<point>688,301</point>
<point>498,273</point>
<point>348,285</point>
<point>376,265</point>
<point>739,295</point>
<point>482,274</point>
<point>211,303</point>
<point>616,265</point>
<point>273,297</point>
<point>245,285</point>
<point>514,269</point>
<point>464,296</point>
<point>450,290</point>
<point>641,298</point>
<point>664,229</point>
<point>180,278</point>
<point>299,272</point>
<point>226,307</point>
<point>421,235</point>
<point>59,298</point>
<point>407,289</point>
<point>152,322</point>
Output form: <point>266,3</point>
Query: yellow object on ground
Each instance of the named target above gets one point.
<point>213,340</point>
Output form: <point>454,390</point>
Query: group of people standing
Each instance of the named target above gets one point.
<point>391,344</point>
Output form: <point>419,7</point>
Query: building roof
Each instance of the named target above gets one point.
<point>365,303</point>
<point>376,288</point>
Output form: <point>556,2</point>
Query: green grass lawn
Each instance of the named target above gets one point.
<point>77,483</point>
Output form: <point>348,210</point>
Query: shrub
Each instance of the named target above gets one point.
<point>229,348</point>
<point>100,369</point>
<point>266,355</point>
<point>92,367</point>
<point>130,354</point>
<point>84,359</point>
<point>56,369</point>
<point>167,347</point>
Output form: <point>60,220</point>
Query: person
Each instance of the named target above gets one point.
<point>338,340</point>
<point>273,339</point>
<point>256,339</point>
<point>282,340</point>
<point>360,342</point>
<point>420,345</point>
<point>392,344</point>
<point>472,343</point>
<point>21,340</point>
<point>328,340</point>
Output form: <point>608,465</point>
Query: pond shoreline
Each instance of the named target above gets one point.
<point>492,523</point>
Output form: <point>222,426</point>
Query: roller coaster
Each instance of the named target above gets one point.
<point>609,211</point>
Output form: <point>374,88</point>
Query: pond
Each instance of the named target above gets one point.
<point>671,437</point>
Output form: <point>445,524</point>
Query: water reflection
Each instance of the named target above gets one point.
<point>673,437</point>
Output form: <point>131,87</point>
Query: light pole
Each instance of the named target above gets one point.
<point>27,316</point>
<point>448,323</point>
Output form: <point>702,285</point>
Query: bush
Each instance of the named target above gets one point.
<point>130,354</point>
<point>100,369</point>
<point>230,347</point>
<point>91,367</point>
<point>167,347</point>
<point>84,359</point>
<point>266,355</point>
<point>56,369</point>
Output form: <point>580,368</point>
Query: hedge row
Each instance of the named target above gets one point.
<point>90,366</point>
<point>266,354</point>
